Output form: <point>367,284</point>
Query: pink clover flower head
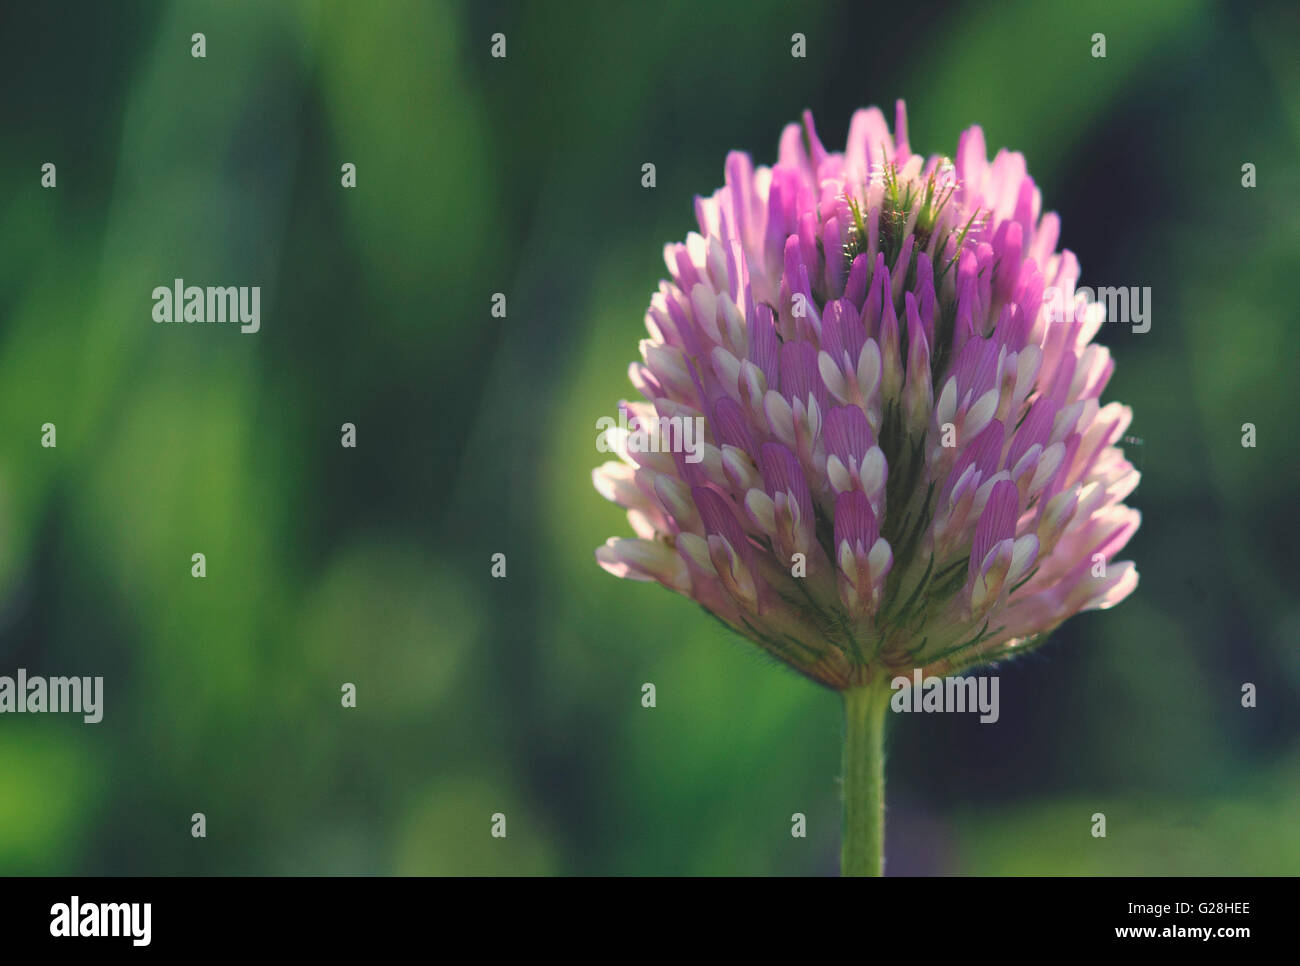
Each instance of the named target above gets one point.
<point>903,459</point>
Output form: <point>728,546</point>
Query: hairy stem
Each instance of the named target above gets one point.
<point>863,849</point>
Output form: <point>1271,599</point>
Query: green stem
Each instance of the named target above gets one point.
<point>863,849</point>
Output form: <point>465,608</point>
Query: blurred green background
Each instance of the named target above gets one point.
<point>476,436</point>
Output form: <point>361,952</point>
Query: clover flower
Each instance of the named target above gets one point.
<point>905,462</point>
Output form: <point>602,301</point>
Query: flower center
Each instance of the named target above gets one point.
<point>899,205</point>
